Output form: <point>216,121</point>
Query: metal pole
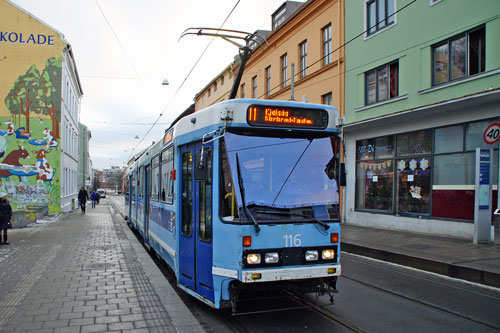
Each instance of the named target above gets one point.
<point>245,54</point>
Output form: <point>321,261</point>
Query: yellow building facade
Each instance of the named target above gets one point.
<point>39,110</point>
<point>310,39</point>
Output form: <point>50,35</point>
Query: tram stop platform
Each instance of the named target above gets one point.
<point>85,273</point>
<point>456,258</point>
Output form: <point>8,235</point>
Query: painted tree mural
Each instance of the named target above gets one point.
<point>23,94</point>
<point>30,167</point>
<point>50,93</point>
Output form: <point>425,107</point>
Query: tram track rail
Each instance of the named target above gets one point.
<point>415,300</point>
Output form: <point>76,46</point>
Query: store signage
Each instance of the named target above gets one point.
<point>484,178</point>
<point>492,134</point>
<point>22,38</point>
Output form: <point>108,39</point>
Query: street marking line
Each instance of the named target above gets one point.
<point>22,288</point>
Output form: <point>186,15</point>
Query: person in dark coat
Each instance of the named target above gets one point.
<point>83,196</point>
<point>5,215</point>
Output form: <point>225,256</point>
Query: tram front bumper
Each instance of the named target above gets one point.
<point>289,273</point>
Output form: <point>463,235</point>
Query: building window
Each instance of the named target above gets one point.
<point>382,83</point>
<point>327,45</point>
<point>268,81</point>
<point>303,58</point>
<point>379,14</point>
<point>209,92</point>
<point>215,86</point>
<point>327,99</point>
<point>254,87</point>
<point>222,80</point>
<point>459,57</point>
<point>242,89</point>
<point>284,69</point>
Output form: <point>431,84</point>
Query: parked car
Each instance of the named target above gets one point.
<point>101,192</point>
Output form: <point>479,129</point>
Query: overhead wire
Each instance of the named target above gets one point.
<point>117,39</point>
<point>183,81</point>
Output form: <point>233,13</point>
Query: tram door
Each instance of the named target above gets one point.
<point>147,199</point>
<point>195,242</point>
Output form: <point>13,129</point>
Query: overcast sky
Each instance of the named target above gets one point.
<point>125,48</point>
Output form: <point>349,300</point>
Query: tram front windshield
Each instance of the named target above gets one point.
<point>283,179</point>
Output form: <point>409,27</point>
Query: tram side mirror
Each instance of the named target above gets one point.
<point>342,176</point>
<point>200,166</point>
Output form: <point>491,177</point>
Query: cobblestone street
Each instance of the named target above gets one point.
<point>85,273</point>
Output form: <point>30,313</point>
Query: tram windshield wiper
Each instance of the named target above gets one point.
<point>242,193</point>
<point>277,212</point>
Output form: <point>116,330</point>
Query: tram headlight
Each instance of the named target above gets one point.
<point>253,258</point>
<point>328,254</point>
<point>311,255</point>
<point>272,258</point>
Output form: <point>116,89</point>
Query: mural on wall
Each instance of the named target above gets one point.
<point>29,138</point>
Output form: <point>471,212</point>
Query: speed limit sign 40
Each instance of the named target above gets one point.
<point>492,133</point>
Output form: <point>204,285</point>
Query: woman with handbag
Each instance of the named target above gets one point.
<point>5,215</point>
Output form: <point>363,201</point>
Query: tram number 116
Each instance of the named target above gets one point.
<point>292,240</point>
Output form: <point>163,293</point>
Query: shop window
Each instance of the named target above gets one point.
<point>375,185</point>
<point>454,169</point>
<point>375,174</point>
<point>415,143</point>
<point>414,186</point>
<point>449,139</point>
<point>382,83</point>
<point>474,135</point>
<point>459,57</point>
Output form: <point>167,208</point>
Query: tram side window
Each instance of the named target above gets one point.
<point>133,185</point>
<point>228,206</point>
<point>167,178</point>
<point>155,178</point>
<point>205,211</point>
<point>140,182</point>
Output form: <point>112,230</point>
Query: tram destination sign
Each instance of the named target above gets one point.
<point>289,117</point>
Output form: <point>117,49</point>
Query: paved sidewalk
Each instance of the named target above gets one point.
<point>85,273</point>
<point>452,257</point>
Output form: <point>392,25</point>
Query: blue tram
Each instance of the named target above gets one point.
<point>242,198</point>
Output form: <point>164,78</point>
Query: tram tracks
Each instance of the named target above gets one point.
<point>419,301</point>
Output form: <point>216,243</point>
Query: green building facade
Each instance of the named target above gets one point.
<point>422,92</point>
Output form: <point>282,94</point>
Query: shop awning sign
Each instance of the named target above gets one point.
<point>492,134</point>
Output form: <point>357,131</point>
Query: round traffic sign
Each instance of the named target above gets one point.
<point>492,133</point>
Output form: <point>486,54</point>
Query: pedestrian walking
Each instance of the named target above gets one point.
<point>83,196</point>
<point>5,215</point>
<point>94,196</point>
